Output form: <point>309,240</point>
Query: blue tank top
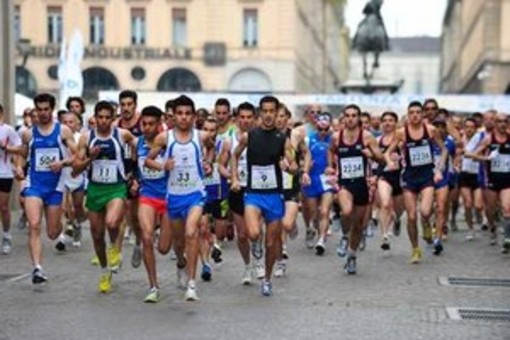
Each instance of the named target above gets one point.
<point>152,182</point>
<point>108,167</point>
<point>45,150</point>
<point>216,186</point>
<point>319,152</point>
<point>449,144</point>
<point>419,162</point>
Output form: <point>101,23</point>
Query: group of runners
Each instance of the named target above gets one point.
<point>181,179</point>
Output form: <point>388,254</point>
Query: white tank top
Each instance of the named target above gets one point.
<point>242,165</point>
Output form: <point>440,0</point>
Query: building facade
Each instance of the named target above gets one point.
<point>186,45</point>
<point>411,66</point>
<point>475,55</point>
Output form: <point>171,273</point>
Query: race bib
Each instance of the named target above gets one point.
<point>501,163</point>
<point>148,173</point>
<point>352,167</point>
<point>104,171</point>
<point>44,157</point>
<point>325,182</point>
<point>184,176</point>
<point>214,179</point>
<point>287,180</point>
<point>420,155</point>
<point>263,177</point>
<point>242,172</point>
<point>470,166</point>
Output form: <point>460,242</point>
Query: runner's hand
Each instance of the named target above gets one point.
<point>438,176</point>
<point>169,164</point>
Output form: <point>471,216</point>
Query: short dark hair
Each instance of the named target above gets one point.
<point>246,107</point>
<point>60,113</point>
<point>470,119</point>
<point>75,99</point>
<point>222,102</point>
<point>104,105</point>
<point>269,99</point>
<point>184,100</point>
<point>285,109</point>
<point>443,111</point>
<point>169,104</point>
<point>128,94</point>
<point>366,115</point>
<point>45,98</point>
<point>152,111</point>
<point>391,114</point>
<point>430,100</point>
<point>477,115</point>
<point>414,103</point>
<point>354,107</point>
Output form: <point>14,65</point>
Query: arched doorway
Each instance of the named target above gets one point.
<point>250,80</point>
<point>179,80</point>
<point>97,79</point>
<point>25,82</point>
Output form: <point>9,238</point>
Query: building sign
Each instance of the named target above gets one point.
<point>121,53</point>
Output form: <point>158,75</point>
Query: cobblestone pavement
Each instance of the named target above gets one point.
<point>388,299</point>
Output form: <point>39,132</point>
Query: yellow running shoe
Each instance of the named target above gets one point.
<point>427,232</point>
<point>114,258</point>
<point>94,261</point>
<point>417,255</point>
<point>105,282</point>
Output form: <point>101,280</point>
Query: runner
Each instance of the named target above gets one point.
<point>44,145</point>
<point>102,149</point>
<point>265,147</point>
<point>151,201</point>
<point>185,191</point>
<point>388,183</point>
<point>497,143</point>
<point>245,121</point>
<point>349,152</point>
<point>8,139</point>
<point>419,175</point>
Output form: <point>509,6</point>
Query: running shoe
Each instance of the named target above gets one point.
<point>114,258</point>
<point>206,272</point>
<point>247,276</point>
<point>372,226</point>
<point>94,260</point>
<point>22,222</point>
<point>385,244</point>
<point>260,271</point>
<point>152,296</point>
<point>397,227</point>
<point>191,293</point>
<point>350,265</point>
<point>363,241</point>
<point>493,237</point>
<point>281,269</point>
<point>136,257</point>
<point>256,249</point>
<point>69,230</point>
<point>310,238</point>
<point>427,232</point>
<point>341,249</point>
<point>320,247</point>
<point>38,277</point>
<point>267,288</point>
<point>336,224</point>
<point>285,254</point>
<point>105,282</point>
<point>470,235</point>
<point>216,253</point>
<point>182,277</point>
<point>6,245</point>
<point>506,246</point>
<point>416,256</point>
<point>438,247</point>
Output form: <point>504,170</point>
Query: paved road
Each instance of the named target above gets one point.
<point>388,299</point>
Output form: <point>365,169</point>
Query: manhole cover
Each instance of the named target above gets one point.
<point>484,314</point>
<point>467,281</point>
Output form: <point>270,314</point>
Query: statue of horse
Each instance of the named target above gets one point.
<point>371,36</point>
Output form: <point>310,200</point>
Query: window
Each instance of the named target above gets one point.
<point>97,25</point>
<point>138,36</point>
<point>55,29</point>
<point>179,32</point>
<point>17,23</point>
<point>250,32</point>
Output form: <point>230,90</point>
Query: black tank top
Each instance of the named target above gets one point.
<point>419,162</point>
<point>265,150</point>
<point>499,166</point>
<point>352,163</point>
<point>136,129</point>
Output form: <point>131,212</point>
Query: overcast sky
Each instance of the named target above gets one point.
<point>402,18</point>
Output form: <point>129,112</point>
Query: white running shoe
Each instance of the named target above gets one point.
<point>191,293</point>
<point>281,269</point>
<point>260,271</point>
<point>470,235</point>
<point>247,276</point>
<point>6,245</point>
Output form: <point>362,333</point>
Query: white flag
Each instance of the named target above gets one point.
<point>72,84</point>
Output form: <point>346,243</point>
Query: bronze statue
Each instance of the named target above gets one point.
<point>371,36</point>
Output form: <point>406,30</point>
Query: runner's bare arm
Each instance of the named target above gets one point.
<point>332,161</point>
<point>243,142</point>
<point>290,157</point>
<point>371,143</point>
<point>444,152</point>
<point>479,154</point>
<point>83,157</point>
<point>395,144</point>
<point>224,157</point>
<point>158,145</point>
